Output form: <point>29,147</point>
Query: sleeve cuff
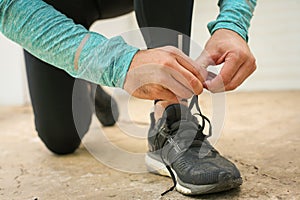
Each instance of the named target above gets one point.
<point>234,15</point>
<point>215,25</point>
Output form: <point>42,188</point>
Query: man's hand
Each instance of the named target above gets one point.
<point>226,46</point>
<point>164,73</point>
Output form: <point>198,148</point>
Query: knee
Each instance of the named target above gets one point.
<point>60,142</point>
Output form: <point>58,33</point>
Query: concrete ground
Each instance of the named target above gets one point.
<point>260,135</point>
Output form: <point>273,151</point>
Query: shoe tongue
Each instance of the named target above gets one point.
<point>176,112</point>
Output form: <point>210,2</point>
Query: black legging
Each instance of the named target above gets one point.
<point>51,89</point>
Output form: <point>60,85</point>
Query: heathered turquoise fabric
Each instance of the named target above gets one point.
<point>234,15</point>
<point>54,38</point>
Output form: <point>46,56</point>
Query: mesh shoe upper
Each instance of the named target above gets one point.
<point>178,141</point>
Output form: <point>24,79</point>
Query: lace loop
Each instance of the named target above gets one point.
<point>194,102</point>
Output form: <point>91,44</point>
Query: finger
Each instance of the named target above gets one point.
<point>175,86</point>
<point>210,76</point>
<point>186,62</point>
<point>172,76</point>
<point>185,78</point>
<point>180,90</point>
<point>231,65</point>
<point>242,74</point>
<point>215,85</point>
<point>204,60</point>
<point>190,65</point>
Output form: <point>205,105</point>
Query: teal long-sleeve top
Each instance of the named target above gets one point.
<point>57,40</point>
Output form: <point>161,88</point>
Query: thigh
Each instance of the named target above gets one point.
<point>173,15</point>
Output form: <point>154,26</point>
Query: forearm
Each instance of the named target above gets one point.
<point>52,37</point>
<point>234,15</point>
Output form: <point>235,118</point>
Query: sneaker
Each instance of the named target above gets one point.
<point>178,148</point>
<point>106,108</point>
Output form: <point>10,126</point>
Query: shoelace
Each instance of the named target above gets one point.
<point>199,136</point>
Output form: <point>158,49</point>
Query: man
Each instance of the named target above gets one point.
<point>194,165</point>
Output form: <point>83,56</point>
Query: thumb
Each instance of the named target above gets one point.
<point>204,60</point>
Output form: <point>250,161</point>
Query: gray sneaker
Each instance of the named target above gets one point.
<point>179,149</point>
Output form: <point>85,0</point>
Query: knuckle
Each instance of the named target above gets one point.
<point>171,49</point>
<point>254,63</point>
<point>167,61</point>
<point>253,68</point>
<point>167,50</point>
<point>253,60</point>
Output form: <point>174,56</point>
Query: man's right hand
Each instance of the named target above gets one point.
<point>164,73</point>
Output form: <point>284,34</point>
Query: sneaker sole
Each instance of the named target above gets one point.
<point>157,167</point>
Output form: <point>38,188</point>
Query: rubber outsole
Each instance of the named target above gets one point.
<point>157,167</point>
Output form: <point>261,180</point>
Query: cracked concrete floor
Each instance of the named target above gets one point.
<point>260,135</point>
